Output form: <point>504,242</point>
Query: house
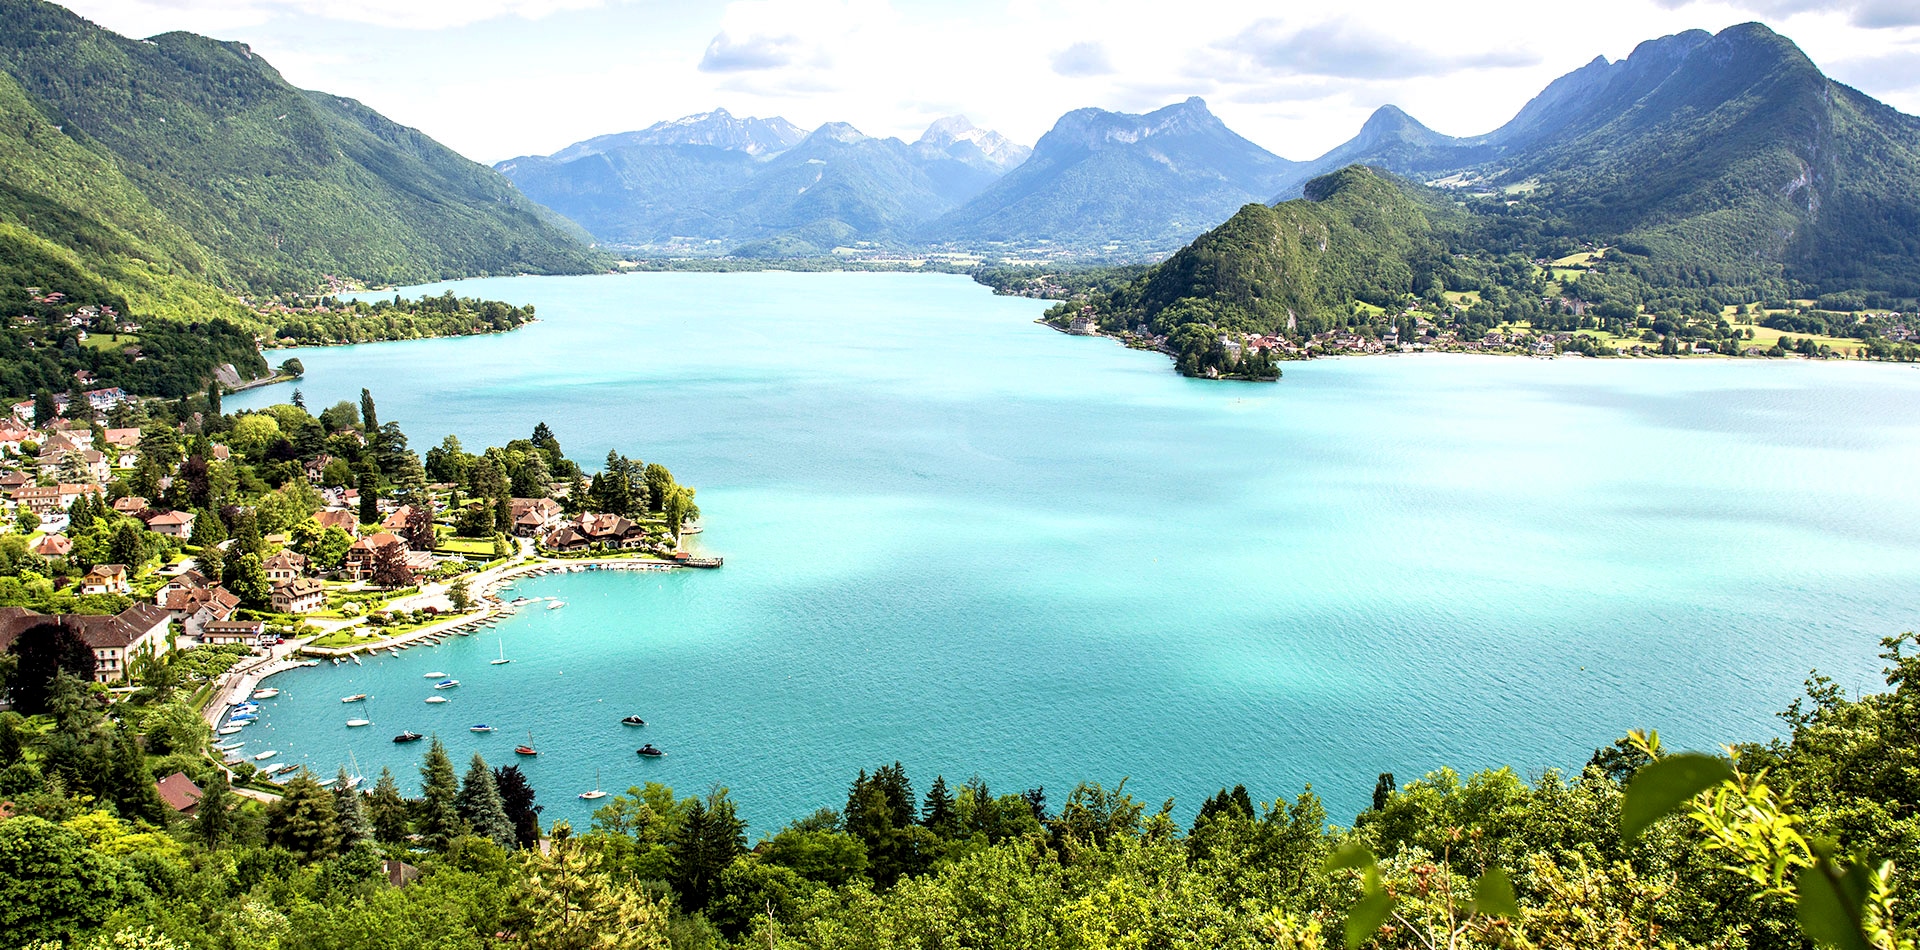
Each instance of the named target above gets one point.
<point>590,530</point>
<point>179,583</point>
<point>116,640</point>
<point>46,499</point>
<point>11,481</point>
<point>53,545</point>
<point>180,794</point>
<point>344,520</point>
<point>129,504</point>
<point>197,608</point>
<point>11,436</point>
<point>106,579</point>
<point>365,553</point>
<point>533,515</point>
<point>397,522</point>
<point>317,467</point>
<point>173,524</point>
<point>123,438</point>
<point>299,596</point>
<point>247,632</point>
<point>285,565</point>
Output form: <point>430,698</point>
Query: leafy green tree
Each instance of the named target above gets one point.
<point>570,905</point>
<point>439,812</point>
<point>130,546</point>
<point>43,653</point>
<point>304,820</point>
<point>45,409</point>
<point>340,415</point>
<point>480,805</point>
<point>247,579</point>
<point>53,887</point>
<point>387,810</point>
<point>370,423</point>
<point>369,499</point>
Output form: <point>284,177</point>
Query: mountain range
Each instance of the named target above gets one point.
<point>165,175</point>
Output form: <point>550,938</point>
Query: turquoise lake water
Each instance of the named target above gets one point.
<point>966,542</point>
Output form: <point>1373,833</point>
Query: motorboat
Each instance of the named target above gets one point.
<point>649,751</point>
<point>278,768</point>
<point>230,730</point>
<point>634,721</point>
<point>262,757</point>
<point>407,737</point>
<point>267,693</point>
<point>356,660</point>
<point>436,699</point>
<point>446,684</point>
<point>556,605</point>
<point>357,697</point>
<point>435,675</point>
<point>228,746</point>
<point>245,707</point>
<point>480,727</point>
<point>357,723</point>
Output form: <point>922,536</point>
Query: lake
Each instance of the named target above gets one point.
<point>969,543</point>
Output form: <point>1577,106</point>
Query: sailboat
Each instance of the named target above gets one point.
<point>503,655</point>
<point>527,749</point>
<point>596,793</point>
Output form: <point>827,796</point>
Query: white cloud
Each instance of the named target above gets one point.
<point>147,17</point>
<point>1082,59</point>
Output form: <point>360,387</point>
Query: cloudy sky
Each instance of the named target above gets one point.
<point>499,78</point>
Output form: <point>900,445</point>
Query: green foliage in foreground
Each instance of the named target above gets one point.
<point>1813,835</point>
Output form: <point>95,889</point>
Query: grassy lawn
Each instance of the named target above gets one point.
<point>343,638</point>
<point>1463,298</point>
<point>107,342</point>
<point>1765,337</point>
<point>477,547</point>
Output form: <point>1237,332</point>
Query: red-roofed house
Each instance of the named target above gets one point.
<point>179,792</point>
<point>173,524</point>
<point>53,545</point>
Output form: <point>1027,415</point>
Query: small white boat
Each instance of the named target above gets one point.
<point>556,605</point>
<point>267,693</point>
<point>446,684</point>
<point>596,793</point>
<point>357,723</point>
<point>311,663</point>
<point>262,757</point>
<point>357,697</point>
<point>228,746</point>
<point>437,675</point>
<point>503,655</point>
<point>356,660</point>
<point>480,727</point>
<point>436,699</point>
<point>230,730</point>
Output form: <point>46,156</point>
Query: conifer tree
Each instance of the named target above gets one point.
<point>516,796</point>
<point>129,783</point>
<point>439,808</point>
<point>213,822</point>
<point>304,821</point>
<point>570,905</point>
<point>707,841</point>
<point>480,805</point>
<point>387,810</point>
<point>937,812</point>
<point>355,826</point>
<point>370,423</point>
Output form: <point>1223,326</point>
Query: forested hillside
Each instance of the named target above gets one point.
<point>92,858</point>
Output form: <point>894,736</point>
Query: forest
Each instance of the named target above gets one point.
<point>1814,834</point>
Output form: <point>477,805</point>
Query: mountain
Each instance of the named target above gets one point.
<point>719,129</point>
<point>1101,178</point>
<point>716,183</point>
<point>273,186</point>
<point>1397,142</point>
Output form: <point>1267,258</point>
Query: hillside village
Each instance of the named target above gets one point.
<point>148,527</point>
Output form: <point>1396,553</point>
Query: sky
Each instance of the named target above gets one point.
<point>495,79</point>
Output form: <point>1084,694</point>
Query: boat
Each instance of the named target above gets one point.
<point>527,749</point>
<point>446,684</point>
<point>596,793</point>
<point>267,693</point>
<point>242,717</point>
<point>311,663</point>
<point>556,605</point>
<point>649,751</point>
<point>356,660</point>
<point>436,699</point>
<point>278,768</point>
<point>436,675</point>
<point>503,655</point>
<point>357,697</point>
<point>337,661</point>
<point>262,757</point>
<point>228,746</point>
<point>480,727</point>
<point>407,737</point>
<point>634,721</point>
<point>357,723</point>
<point>245,707</point>
<point>229,730</point>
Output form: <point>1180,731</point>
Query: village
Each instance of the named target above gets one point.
<point>168,536</point>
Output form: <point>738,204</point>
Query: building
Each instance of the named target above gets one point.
<point>181,582</point>
<point>299,596</point>
<point>106,579</point>
<point>595,530</point>
<point>532,516</point>
<point>123,438</point>
<point>285,565</point>
<point>116,640</point>
<point>397,522</point>
<point>244,632</point>
<point>365,553</point>
<point>180,794</point>
<point>47,499</point>
<point>197,608</point>
<point>342,519</point>
<point>53,545</point>
<point>130,504</point>
<point>173,524</point>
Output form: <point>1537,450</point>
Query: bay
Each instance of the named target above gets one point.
<point>971,544</point>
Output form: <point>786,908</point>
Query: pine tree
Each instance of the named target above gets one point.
<point>1383,790</point>
<point>937,812</point>
<point>369,422</point>
<point>480,805</point>
<point>213,822</point>
<point>304,821</point>
<point>707,841</point>
<point>439,811</point>
<point>128,782</point>
<point>570,905</point>
<point>387,810</point>
<point>516,796</point>
<point>355,826</point>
